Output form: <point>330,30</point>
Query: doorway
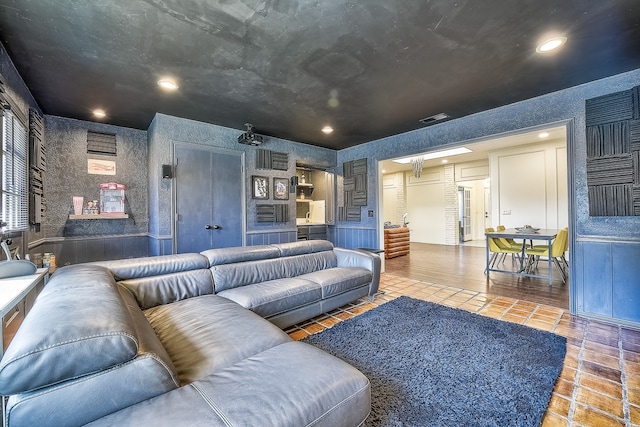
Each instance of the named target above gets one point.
<point>209,198</point>
<point>491,169</point>
<point>464,214</point>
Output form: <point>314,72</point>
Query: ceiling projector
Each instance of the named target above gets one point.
<point>250,138</point>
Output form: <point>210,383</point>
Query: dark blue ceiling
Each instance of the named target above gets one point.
<point>369,69</point>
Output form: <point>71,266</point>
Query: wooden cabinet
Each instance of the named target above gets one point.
<point>17,295</point>
<point>396,242</point>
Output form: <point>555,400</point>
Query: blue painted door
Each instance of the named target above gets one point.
<point>209,195</point>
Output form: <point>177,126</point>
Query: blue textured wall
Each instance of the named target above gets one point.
<point>66,176</point>
<point>595,290</point>
<point>166,130</point>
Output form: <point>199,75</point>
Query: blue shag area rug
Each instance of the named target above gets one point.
<point>431,365</point>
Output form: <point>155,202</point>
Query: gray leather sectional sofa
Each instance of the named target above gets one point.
<point>182,340</point>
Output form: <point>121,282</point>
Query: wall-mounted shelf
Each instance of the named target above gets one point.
<point>100,216</point>
<point>305,184</point>
<point>304,200</point>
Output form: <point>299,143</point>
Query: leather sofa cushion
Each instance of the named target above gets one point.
<point>208,333</point>
<point>79,325</point>
<point>277,387</point>
<point>240,254</point>
<point>133,268</point>
<point>334,281</point>
<point>275,296</point>
<point>168,288</point>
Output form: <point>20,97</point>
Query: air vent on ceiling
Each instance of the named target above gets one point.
<point>101,143</point>
<point>433,119</point>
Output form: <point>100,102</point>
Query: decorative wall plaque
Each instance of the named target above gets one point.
<point>272,213</point>
<point>267,159</point>
<point>613,153</point>
<point>355,190</point>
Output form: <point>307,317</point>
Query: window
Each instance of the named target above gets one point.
<point>15,196</point>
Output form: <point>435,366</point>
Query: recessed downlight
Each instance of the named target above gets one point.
<point>327,130</point>
<point>543,135</point>
<point>168,84</point>
<point>551,44</point>
<point>99,113</point>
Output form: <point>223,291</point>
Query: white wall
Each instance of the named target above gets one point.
<point>529,185</point>
<point>426,206</point>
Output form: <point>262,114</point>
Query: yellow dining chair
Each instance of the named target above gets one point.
<point>498,249</point>
<point>508,241</point>
<point>557,253</point>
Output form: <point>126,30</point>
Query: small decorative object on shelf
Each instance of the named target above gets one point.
<point>77,205</point>
<point>92,208</point>
<point>112,198</point>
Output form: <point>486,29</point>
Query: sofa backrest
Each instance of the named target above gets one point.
<point>255,264</point>
<point>162,279</point>
<point>133,268</point>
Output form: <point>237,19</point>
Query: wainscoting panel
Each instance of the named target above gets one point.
<point>76,251</point>
<point>353,237</point>
<point>273,237</point>
<point>626,281</point>
<point>608,280</point>
<point>596,274</point>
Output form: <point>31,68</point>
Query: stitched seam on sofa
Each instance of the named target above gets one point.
<point>44,390</point>
<point>212,405</point>
<point>344,401</point>
<point>63,343</point>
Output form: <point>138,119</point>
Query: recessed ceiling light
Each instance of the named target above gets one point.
<point>445,161</point>
<point>436,154</point>
<point>327,130</point>
<point>99,113</point>
<point>551,44</point>
<point>543,135</point>
<point>168,84</point>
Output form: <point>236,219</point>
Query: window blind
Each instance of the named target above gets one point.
<point>15,196</point>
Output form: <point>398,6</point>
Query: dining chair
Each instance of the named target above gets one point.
<point>498,249</point>
<point>508,241</point>
<point>557,253</point>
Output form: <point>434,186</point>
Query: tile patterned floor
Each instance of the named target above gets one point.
<point>600,381</point>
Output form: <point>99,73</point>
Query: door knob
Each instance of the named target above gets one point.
<point>216,227</point>
<point>209,227</point>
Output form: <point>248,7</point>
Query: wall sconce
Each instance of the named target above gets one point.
<point>167,172</point>
<point>294,184</point>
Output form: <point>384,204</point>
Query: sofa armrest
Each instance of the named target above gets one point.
<point>362,259</point>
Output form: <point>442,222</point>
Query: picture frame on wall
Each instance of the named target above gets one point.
<point>260,187</point>
<point>280,189</point>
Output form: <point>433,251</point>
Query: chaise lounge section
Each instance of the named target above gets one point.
<point>183,340</point>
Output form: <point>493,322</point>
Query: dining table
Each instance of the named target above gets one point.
<point>527,235</point>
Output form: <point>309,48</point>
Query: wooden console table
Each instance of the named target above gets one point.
<point>396,242</point>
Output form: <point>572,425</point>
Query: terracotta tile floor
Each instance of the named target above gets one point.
<point>600,381</point>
